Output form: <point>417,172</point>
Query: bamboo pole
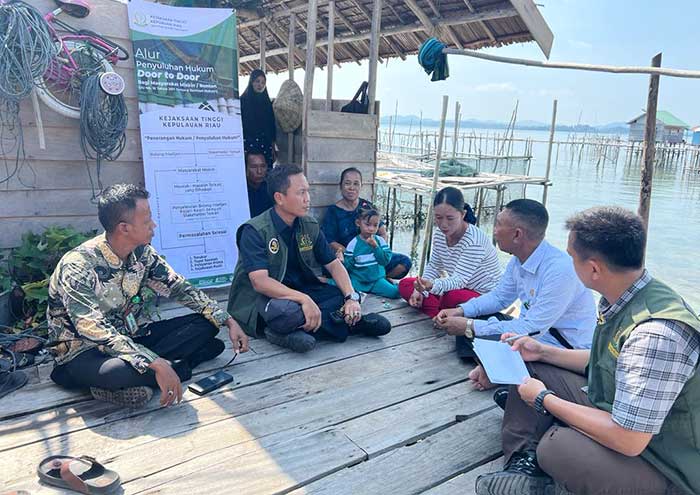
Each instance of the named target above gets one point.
<point>649,145</point>
<point>456,131</point>
<point>309,78</point>
<point>331,55</point>
<point>549,152</point>
<point>291,45</point>
<point>263,44</point>
<point>436,176</point>
<point>568,65</point>
<point>374,54</point>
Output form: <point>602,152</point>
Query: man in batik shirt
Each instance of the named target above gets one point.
<point>104,340</point>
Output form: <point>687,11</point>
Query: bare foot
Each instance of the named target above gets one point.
<point>479,379</point>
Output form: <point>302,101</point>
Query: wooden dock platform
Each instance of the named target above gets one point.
<point>369,416</point>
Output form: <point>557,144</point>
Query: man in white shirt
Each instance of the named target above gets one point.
<point>554,302</point>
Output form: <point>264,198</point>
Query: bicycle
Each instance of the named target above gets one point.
<point>81,52</point>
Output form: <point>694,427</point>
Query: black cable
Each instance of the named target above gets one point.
<point>103,120</point>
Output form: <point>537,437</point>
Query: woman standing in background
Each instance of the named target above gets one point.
<point>258,119</point>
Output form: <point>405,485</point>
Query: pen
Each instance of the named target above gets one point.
<point>512,339</point>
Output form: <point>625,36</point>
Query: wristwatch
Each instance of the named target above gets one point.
<point>469,329</point>
<point>539,401</point>
<point>353,296</point>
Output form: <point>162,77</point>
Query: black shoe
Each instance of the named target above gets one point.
<point>372,325</point>
<point>298,340</point>
<point>500,397</point>
<point>521,475</point>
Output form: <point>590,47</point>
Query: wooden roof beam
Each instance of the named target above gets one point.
<point>422,17</point>
<point>430,27</point>
<point>481,24</point>
<point>494,13</point>
<point>531,16</point>
<point>277,34</point>
<point>389,42</point>
<point>343,18</point>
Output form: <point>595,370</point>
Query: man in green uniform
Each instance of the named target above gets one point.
<point>276,290</point>
<point>623,417</point>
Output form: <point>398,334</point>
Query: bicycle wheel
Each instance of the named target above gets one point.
<point>59,87</point>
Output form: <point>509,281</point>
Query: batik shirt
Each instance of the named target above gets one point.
<point>96,300</point>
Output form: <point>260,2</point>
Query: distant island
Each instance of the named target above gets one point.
<point>526,125</point>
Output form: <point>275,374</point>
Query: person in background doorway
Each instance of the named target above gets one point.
<point>340,222</point>
<point>462,251</point>
<point>259,199</point>
<point>258,119</point>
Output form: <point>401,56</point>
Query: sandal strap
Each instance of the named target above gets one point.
<point>74,482</point>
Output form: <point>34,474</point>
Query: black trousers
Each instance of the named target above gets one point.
<point>186,341</point>
<point>328,298</point>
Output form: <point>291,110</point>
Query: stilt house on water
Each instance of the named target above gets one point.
<point>669,128</point>
<point>54,188</point>
<point>319,423</point>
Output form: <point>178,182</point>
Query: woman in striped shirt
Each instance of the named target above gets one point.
<point>460,250</point>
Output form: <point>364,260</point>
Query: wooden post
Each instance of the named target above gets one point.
<point>436,176</point>
<point>456,132</point>
<point>331,55</point>
<point>263,34</point>
<point>309,68</point>
<point>291,46</point>
<point>393,219</point>
<point>649,145</point>
<point>374,53</point>
<point>549,152</point>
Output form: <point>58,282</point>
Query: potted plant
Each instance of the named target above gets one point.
<point>25,272</point>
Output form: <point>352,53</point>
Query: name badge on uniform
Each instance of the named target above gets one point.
<point>305,243</point>
<point>131,323</point>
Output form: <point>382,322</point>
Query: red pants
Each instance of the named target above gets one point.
<point>433,304</point>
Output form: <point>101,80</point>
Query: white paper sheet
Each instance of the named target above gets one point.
<point>502,364</point>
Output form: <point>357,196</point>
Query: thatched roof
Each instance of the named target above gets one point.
<point>405,24</point>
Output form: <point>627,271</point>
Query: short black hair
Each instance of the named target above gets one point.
<point>278,178</point>
<point>347,171</point>
<point>454,197</point>
<point>615,234</point>
<point>368,212</point>
<point>117,202</point>
<point>532,215</point>
<point>254,153</point>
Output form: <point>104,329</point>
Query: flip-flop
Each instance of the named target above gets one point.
<point>11,381</point>
<point>81,474</point>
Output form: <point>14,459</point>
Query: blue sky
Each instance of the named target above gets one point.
<point>615,32</point>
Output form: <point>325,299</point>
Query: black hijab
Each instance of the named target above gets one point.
<point>257,116</point>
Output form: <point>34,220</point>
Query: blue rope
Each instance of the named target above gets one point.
<point>433,61</point>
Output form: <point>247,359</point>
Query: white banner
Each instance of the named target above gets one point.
<point>191,136</point>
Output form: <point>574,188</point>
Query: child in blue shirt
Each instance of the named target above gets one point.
<point>366,255</point>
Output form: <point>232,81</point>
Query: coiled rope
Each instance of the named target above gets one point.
<point>103,120</point>
<point>26,49</point>
<point>433,61</point>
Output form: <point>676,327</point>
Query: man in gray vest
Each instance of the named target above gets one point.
<point>624,416</point>
<point>276,290</point>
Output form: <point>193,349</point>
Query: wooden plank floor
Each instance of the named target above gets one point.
<point>369,416</point>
